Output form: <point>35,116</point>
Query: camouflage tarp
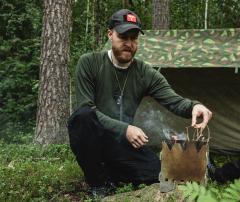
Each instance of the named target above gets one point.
<point>190,48</point>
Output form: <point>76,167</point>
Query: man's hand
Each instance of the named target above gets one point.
<point>136,136</point>
<point>200,111</point>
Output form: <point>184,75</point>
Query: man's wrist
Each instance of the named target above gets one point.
<point>195,102</point>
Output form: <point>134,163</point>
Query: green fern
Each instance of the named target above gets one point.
<point>232,193</point>
<point>199,193</point>
<point>191,190</point>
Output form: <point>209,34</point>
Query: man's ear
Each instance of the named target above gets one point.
<point>110,33</point>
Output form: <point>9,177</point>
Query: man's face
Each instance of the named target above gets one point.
<point>124,46</point>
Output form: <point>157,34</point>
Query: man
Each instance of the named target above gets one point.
<point>109,87</point>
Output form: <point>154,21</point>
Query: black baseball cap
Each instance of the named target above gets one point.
<point>125,20</point>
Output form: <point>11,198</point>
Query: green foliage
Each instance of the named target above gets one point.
<point>187,14</point>
<point>224,13</point>
<point>190,14</point>
<point>20,30</point>
<point>20,33</point>
<point>211,193</point>
<point>129,187</point>
<point>125,188</point>
<point>11,134</point>
<point>32,173</point>
<point>220,159</point>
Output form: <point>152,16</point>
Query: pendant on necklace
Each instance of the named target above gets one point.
<point>119,100</point>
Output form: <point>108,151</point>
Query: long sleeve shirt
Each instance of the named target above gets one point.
<point>97,87</point>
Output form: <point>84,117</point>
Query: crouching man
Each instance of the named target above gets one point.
<point>109,88</point>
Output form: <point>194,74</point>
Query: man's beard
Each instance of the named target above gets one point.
<point>118,53</point>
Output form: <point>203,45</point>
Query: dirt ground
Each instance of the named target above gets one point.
<point>148,194</point>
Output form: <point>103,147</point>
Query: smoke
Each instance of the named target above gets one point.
<point>152,121</point>
<point>156,123</point>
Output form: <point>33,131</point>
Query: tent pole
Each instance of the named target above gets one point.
<point>236,70</point>
<point>159,69</point>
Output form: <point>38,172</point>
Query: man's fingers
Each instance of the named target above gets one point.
<point>143,139</point>
<point>135,144</point>
<point>200,111</point>
<point>200,125</point>
<point>206,117</point>
<point>194,119</point>
<point>204,123</point>
<point>209,115</point>
<point>136,136</point>
<point>139,142</point>
<point>145,136</point>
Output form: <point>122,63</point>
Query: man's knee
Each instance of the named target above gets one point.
<point>77,126</point>
<point>81,115</point>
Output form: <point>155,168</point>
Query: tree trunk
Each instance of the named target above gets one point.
<point>54,90</point>
<point>160,14</point>
<point>97,22</point>
<point>127,4</point>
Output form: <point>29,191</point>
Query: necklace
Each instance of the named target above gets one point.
<point>120,97</point>
<point>119,100</point>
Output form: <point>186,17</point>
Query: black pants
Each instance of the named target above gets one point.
<point>228,172</point>
<point>103,158</point>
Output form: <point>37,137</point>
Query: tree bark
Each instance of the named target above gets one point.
<point>54,85</point>
<point>127,4</point>
<point>98,8</point>
<point>160,14</point>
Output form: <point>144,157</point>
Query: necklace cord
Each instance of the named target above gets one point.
<point>120,98</point>
<point>124,84</point>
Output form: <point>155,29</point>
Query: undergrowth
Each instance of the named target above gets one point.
<point>32,173</point>
<point>212,192</point>
<point>29,172</point>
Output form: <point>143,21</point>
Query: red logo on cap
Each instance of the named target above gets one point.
<point>131,18</point>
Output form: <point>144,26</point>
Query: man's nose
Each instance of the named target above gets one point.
<point>128,41</point>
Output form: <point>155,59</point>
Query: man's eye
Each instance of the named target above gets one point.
<point>126,37</point>
<point>122,37</point>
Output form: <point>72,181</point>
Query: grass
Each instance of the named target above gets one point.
<point>29,172</point>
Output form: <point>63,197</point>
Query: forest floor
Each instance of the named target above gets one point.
<point>31,173</point>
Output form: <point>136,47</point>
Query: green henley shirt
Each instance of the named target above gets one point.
<point>98,88</point>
